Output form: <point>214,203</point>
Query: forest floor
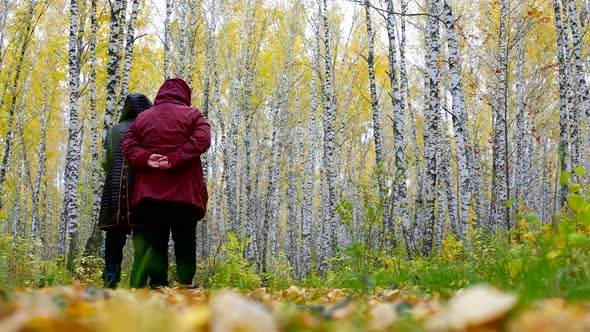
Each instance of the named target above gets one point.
<point>479,308</point>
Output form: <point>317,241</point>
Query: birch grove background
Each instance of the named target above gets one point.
<point>400,126</point>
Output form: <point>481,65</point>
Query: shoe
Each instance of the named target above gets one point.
<point>188,286</point>
<point>157,286</point>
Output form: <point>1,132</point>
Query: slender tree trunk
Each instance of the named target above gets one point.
<point>574,108</point>
<point>307,242</point>
<point>94,243</point>
<point>329,119</point>
<point>191,42</point>
<point>413,234</point>
<point>24,177</point>
<point>432,134</point>
<point>446,175</point>
<point>36,229</point>
<point>16,214</point>
<point>293,217</point>
<point>520,162</point>
<point>499,212</point>
<point>70,216</point>
<point>113,65</point>
<point>376,117</point>
<point>464,152</point>
<point>6,11</point>
<point>12,98</point>
<point>269,227</point>
<point>578,62</point>
<point>399,200</point>
<point>183,10</point>
<point>46,213</point>
<point>271,206</point>
<point>563,115</point>
<point>129,43</point>
<point>169,4</point>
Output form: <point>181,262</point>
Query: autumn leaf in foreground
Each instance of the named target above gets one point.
<point>474,306</point>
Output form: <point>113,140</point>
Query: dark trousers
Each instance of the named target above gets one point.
<point>114,242</point>
<point>159,219</point>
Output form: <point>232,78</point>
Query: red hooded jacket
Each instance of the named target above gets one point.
<point>174,129</point>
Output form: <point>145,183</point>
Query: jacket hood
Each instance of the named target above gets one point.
<point>174,90</point>
<point>135,103</point>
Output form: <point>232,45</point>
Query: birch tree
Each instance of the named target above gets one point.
<point>167,33</point>
<point>23,42</point>
<point>129,43</point>
<point>307,238</point>
<point>94,243</point>
<point>113,65</point>
<point>36,232</point>
<point>521,144</point>
<point>327,243</point>
<point>563,116</point>
<point>578,61</point>
<point>573,101</point>
<point>70,216</point>
<point>399,199</point>
<point>375,112</point>
<point>276,148</point>
<point>499,211</point>
<point>432,135</point>
<point>460,120</point>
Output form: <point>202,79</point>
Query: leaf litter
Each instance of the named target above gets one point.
<point>476,309</point>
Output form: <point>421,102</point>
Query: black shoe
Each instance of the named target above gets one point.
<point>189,286</point>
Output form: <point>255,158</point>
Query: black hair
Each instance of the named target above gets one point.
<point>135,103</point>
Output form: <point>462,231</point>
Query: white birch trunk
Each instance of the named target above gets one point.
<point>276,146</point>
<point>269,227</point>
<point>578,62</point>
<point>47,218</point>
<point>563,115</point>
<point>499,211</point>
<point>16,216</point>
<point>24,175</point>
<point>307,242</point>
<point>293,217</point>
<point>376,114</point>
<point>574,108</point>
<point>94,243</point>
<point>183,42</point>
<point>432,134</point>
<point>446,175</point>
<point>5,12</point>
<point>12,100</point>
<point>36,230</point>
<point>113,65</point>
<point>69,217</point>
<point>464,151</point>
<point>328,236</point>
<point>129,43</point>
<point>191,42</point>
<point>120,53</point>
<point>521,144</point>
<point>399,200</point>
<point>245,105</point>
<point>167,32</point>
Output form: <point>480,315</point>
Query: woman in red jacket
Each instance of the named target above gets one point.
<point>164,145</point>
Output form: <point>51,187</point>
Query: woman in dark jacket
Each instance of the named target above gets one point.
<point>116,215</point>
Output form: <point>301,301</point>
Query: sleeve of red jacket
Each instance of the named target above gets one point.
<point>197,144</point>
<point>136,155</point>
